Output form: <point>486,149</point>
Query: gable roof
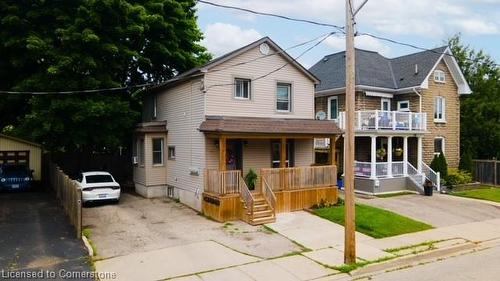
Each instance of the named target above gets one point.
<point>392,75</point>
<point>221,59</point>
<point>20,140</point>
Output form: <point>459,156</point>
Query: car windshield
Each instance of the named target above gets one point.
<point>14,169</point>
<point>98,178</point>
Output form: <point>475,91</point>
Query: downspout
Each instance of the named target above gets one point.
<point>419,99</point>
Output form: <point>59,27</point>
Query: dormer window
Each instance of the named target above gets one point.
<point>439,76</point>
<point>242,88</point>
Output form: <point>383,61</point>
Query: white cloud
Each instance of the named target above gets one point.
<point>221,38</point>
<point>476,26</point>
<point>361,42</point>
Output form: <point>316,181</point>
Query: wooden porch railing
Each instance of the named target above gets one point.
<point>268,194</point>
<point>300,177</point>
<point>222,182</point>
<point>247,197</point>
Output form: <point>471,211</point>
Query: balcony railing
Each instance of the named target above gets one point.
<point>386,120</point>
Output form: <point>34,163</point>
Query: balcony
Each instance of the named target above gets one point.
<point>376,120</point>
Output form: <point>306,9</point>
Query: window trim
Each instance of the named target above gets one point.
<point>162,151</point>
<point>402,102</point>
<point>170,156</point>
<point>442,119</point>
<point>249,88</point>
<point>155,106</point>
<point>329,107</point>
<point>436,77</point>
<point>289,85</point>
<point>141,150</point>
<point>443,145</point>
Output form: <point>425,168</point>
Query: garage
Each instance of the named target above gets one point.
<point>22,152</point>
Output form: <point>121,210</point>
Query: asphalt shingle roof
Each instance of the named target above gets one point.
<point>373,69</point>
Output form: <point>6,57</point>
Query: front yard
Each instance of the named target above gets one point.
<point>490,194</point>
<point>375,222</point>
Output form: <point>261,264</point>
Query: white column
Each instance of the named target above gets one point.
<point>389,156</point>
<point>373,157</point>
<point>405,155</point>
<point>419,154</point>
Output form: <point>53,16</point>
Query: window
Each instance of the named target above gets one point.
<point>333,108</point>
<point>276,152</point>
<point>385,104</point>
<point>439,109</point>
<point>98,178</point>
<point>283,98</point>
<point>439,76</point>
<point>404,105</point>
<point>171,153</point>
<point>242,88</point>
<point>438,145</point>
<point>155,106</point>
<point>141,152</point>
<point>158,151</point>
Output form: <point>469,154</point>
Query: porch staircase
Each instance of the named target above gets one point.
<point>261,212</point>
<point>417,179</point>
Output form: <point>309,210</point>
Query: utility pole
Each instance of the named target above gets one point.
<point>350,91</point>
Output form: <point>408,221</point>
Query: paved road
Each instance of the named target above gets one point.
<point>35,235</point>
<point>481,265</point>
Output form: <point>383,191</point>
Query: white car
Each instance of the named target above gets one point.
<point>98,186</point>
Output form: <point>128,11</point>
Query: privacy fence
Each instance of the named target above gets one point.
<point>68,195</point>
<point>487,171</point>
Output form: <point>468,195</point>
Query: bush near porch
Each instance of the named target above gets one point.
<point>375,222</point>
<point>490,194</point>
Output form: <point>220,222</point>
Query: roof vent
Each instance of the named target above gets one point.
<point>325,59</point>
<point>416,69</point>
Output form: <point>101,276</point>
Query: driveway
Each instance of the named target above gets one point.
<point>36,235</point>
<point>438,210</point>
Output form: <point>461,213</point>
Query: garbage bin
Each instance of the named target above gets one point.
<point>428,188</point>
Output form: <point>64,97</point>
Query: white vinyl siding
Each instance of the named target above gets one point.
<point>439,109</point>
<point>283,97</point>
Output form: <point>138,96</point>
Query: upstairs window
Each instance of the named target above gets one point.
<point>242,88</point>
<point>439,109</point>
<point>284,97</point>
<point>158,151</point>
<point>439,76</point>
<point>404,105</point>
<point>333,108</point>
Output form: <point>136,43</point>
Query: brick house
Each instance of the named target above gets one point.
<point>407,110</point>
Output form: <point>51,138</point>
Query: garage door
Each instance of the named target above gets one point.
<point>15,157</point>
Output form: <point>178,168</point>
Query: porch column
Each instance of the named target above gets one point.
<point>373,155</point>
<point>332,150</point>
<point>419,154</point>
<point>283,153</point>
<point>405,155</point>
<point>222,153</point>
<point>389,156</point>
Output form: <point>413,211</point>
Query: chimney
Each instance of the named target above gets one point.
<point>416,69</point>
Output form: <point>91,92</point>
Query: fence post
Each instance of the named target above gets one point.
<point>495,176</point>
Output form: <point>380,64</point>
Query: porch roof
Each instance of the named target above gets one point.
<point>274,126</point>
<point>152,127</point>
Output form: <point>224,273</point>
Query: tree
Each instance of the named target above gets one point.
<point>465,163</point>
<point>480,111</point>
<point>440,165</point>
<point>90,44</point>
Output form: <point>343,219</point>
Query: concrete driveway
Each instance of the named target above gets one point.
<point>35,235</point>
<point>438,210</point>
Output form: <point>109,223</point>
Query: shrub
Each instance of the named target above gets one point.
<point>439,164</point>
<point>466,162</point>
<point>251,179</point>
<point>456,177</point>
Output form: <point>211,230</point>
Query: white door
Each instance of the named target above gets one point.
<point>385,104</point>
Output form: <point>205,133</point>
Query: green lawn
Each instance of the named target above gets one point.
<point>375,222</point>
<point>490,194</point>
<point>388,195</point>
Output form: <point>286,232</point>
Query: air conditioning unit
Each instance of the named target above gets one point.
<point>134,160</point>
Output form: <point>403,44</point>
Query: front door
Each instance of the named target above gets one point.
<point>385,104</point>
<point>234,154</point>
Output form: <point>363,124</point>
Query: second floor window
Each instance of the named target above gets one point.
<point>242,88</point>
<point>439,109</point>
<point>333,108</point>
<point>404,105</point>
<point>284,97</point>
<point>439,76</point>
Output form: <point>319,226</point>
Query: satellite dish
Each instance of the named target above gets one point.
<point>320,115</point>
<point>264,49</point>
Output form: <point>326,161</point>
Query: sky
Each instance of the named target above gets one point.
<point>426,23</point>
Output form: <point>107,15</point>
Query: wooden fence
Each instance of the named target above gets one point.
<point>487,171</point>
<point>68,195</point>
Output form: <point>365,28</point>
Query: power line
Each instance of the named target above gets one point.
<point>279,68</point>
<point>77,91</point>
<point>341,28</point>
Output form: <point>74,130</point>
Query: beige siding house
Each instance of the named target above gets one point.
<point>22,152</point>
<point>204,130</point>
<point>407,111</point>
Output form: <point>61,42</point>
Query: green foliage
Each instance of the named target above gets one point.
<point>456,177</point>
<point>465,163</point>
<point>89,44</point>
<point>251,179</point>
<point>480,111</point>
<point>439,164</point>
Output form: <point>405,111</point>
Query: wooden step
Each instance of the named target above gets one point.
<point>261,207</point>
<point>263,220</point>
<point>261,214</point>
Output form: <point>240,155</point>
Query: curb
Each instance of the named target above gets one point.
<point>88,246</point>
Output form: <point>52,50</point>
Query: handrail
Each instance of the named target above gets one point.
<point>434,177</point>
<point>247,196</point>
<point>222,182</point>
<point>386,120</point>
<point>295,178</point>
<point>269,194</point>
